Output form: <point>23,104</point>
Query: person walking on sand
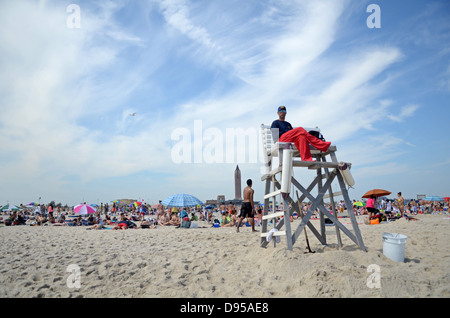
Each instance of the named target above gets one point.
<point>247,209</point>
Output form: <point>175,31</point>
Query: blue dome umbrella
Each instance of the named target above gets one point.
<point>181,200</point>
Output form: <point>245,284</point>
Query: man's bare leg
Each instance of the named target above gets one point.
<point>252,223</point>
<point>239,223</point>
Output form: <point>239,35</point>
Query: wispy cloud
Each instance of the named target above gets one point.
<point>67,94</point>
<point>176,13</point>
<point>55,84</point>
<point>406,112</point>
<point>61,91</point>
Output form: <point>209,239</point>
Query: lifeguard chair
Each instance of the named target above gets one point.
<point>278,181</point>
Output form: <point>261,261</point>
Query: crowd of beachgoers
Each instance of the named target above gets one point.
<point>123,216</point>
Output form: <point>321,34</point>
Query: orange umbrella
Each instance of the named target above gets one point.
<point>376,193</point>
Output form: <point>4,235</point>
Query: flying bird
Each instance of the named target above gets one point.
<point>133,114</point>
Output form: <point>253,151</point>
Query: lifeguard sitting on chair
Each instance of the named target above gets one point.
<point>299,136</point>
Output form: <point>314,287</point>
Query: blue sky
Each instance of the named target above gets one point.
<point>381,95</point>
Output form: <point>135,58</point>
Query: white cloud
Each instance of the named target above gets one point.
<point>67,94</point>
<point>51,88</point>
<point>176,13</point>
<point>348,100</point>
<point>406,112</point>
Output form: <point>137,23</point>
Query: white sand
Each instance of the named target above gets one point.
<point>218,262</point>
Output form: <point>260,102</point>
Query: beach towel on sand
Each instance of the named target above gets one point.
<point>186,223</point>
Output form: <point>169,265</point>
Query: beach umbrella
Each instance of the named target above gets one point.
<point>137,203</point>
<point>32,203</point>
<point>84,209</point>
<point>181,200</point>
<point>10,207</point>
<point>447,199</point>
<point>433,198</point>
<point>359,203</point>
<point>376,193</point>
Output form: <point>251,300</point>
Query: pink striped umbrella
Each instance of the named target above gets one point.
<point>84,209</point>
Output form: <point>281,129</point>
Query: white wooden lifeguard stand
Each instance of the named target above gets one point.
<point>289,158</point>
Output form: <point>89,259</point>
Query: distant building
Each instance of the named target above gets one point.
<point>237,184</point>
<point>220,199</point>
<point>237,201</point>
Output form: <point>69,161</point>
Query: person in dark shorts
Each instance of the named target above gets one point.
<point>247,208</point>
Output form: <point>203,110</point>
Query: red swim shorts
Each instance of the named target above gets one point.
<point>122,225</point>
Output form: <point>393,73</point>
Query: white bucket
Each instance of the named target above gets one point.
<point>394,246</point>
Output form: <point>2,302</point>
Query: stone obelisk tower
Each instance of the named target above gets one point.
<point>237,184</point>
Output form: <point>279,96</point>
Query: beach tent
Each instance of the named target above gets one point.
<point>10,207</point>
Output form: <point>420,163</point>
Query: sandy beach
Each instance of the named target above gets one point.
<point>218,262</point>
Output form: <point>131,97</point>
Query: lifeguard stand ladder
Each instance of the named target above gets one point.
<point>289,158</point>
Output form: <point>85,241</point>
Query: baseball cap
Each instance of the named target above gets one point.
<point>282,108</point>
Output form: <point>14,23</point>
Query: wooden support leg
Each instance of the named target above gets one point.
<point>287,224</point>
<point>347,201</point>
<point>330,216</point>
<point>265,211</point>
<point>359,240</point>
<point>296,208</point>
<point>321,216</point>
<point>316,203</point>
<point>333,206</point>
